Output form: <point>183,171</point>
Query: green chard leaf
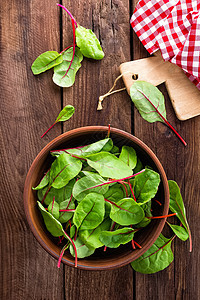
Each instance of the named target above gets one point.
<point>146,185</point>
<point>88,43</point>
<point>156,258</point>
<point>126,212</point>
<point>65,114</point>
<point>105,145</point>
<point>181,232</point>
<point>52,225</point>
<point>115,193</point>
<point>89,212</point>
<point>66,216</point>
<point>91,237</point>
<point>128,156</point>
<point>53,208</point>
<point>176,205</point>
<point>46,61</point>
<point>114,239</point>
<point>87,184</point>
<point>138,167</point>
<point>63,169</point>
<point>82,249</point>
<point>64,74</point>
<point>108,165</point>
<point>137,92</point>
<point>43,182</point>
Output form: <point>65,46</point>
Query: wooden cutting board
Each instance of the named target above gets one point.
<point>184,95</point>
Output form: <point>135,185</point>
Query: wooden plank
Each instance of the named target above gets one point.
<point>28,107</point>
<point>110,22</point>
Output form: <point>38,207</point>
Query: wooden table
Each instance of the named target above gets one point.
<point>30,104</point>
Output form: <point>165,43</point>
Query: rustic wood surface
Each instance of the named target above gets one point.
<point>29,105</point>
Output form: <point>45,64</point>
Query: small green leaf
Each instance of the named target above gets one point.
<point>108,165</point>
<point>115,193</point>
<point>147,111</point>
<point>46,61</point>
<point>114,239</point>
<point>64,74</point>
<point>156,258</point>
<point>66,113</point>
<point>82,249</point>
<point>88,43</point>
<point>146,185</point>
<point>87,184</point>
<point>53,208</point>
<point>126,212</point>
<point>128,156</point>
<point>43,182</point>
<point>181,232</point>
<point>63,169</point>
<point>66,216</point>
<point>52,225</point>
<point>89,212</point>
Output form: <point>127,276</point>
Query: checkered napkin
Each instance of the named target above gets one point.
<point>173,27</point>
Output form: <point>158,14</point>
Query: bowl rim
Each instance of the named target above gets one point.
<point>86,129</point>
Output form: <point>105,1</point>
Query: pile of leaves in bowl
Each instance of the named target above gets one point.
<point>98,196</point>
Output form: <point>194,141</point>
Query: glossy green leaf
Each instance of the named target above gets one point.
<point>89,212</point>
<point>88,43</point>
<point>176,205</point>
<point>64,74</point>
<point>147,111</point>
<point>146,185</point>
<point>53,208</point>
<point>82,249</point>
<point>66,216</point>
<point>84,151</point>
<point>46,61</point>
<point>91,237</point>
<point>52,225</point>
<point>138,167</point>
<point>87,184</point>
<point>60,194</point>
<point>114,239</point>
<point>126,212</point>
<point>181,232</point>
<point>157,258</point>
<point>115,193</point>
<point>128,156</point>
<point>66,113</point>
<point>43,182</point>
<point>63,169</point>
<point>108,165</point>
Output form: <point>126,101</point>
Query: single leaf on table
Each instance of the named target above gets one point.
<point>126,212</point>
<point>84,151</point>
<point>46,61</point>
<point>91,237</point>
<point>108,165</point>
<point>87,184</point>
<point>89,212</point>
<point>64,74</point>
<point>59,194</point>
<point>43,182</point>
<point>114,239</point>
<point>52,225</point>
<point>150,103</point>
<point>82,249</point>
<point>88,43</point>
<point>53,208</point>
<point>156,258</point>
<point>63,169</point>
<point>128,156</point>
<point>176,205</point>
<point>65,216</point>
<point>180,232</point>
<point>146,185</point>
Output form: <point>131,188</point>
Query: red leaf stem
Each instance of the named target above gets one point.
<point>67,210</point>
<point>75,251</point>
<point>131,190</point>
<point>137,244</point>
<point>61,255</point>
<point>72,18</point>
<point>165,120</point>
<point>160,217</point>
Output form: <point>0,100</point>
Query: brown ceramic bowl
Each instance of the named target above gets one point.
<point>100,260</point>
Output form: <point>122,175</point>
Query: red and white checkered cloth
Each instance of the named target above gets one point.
<point>173,27</point>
